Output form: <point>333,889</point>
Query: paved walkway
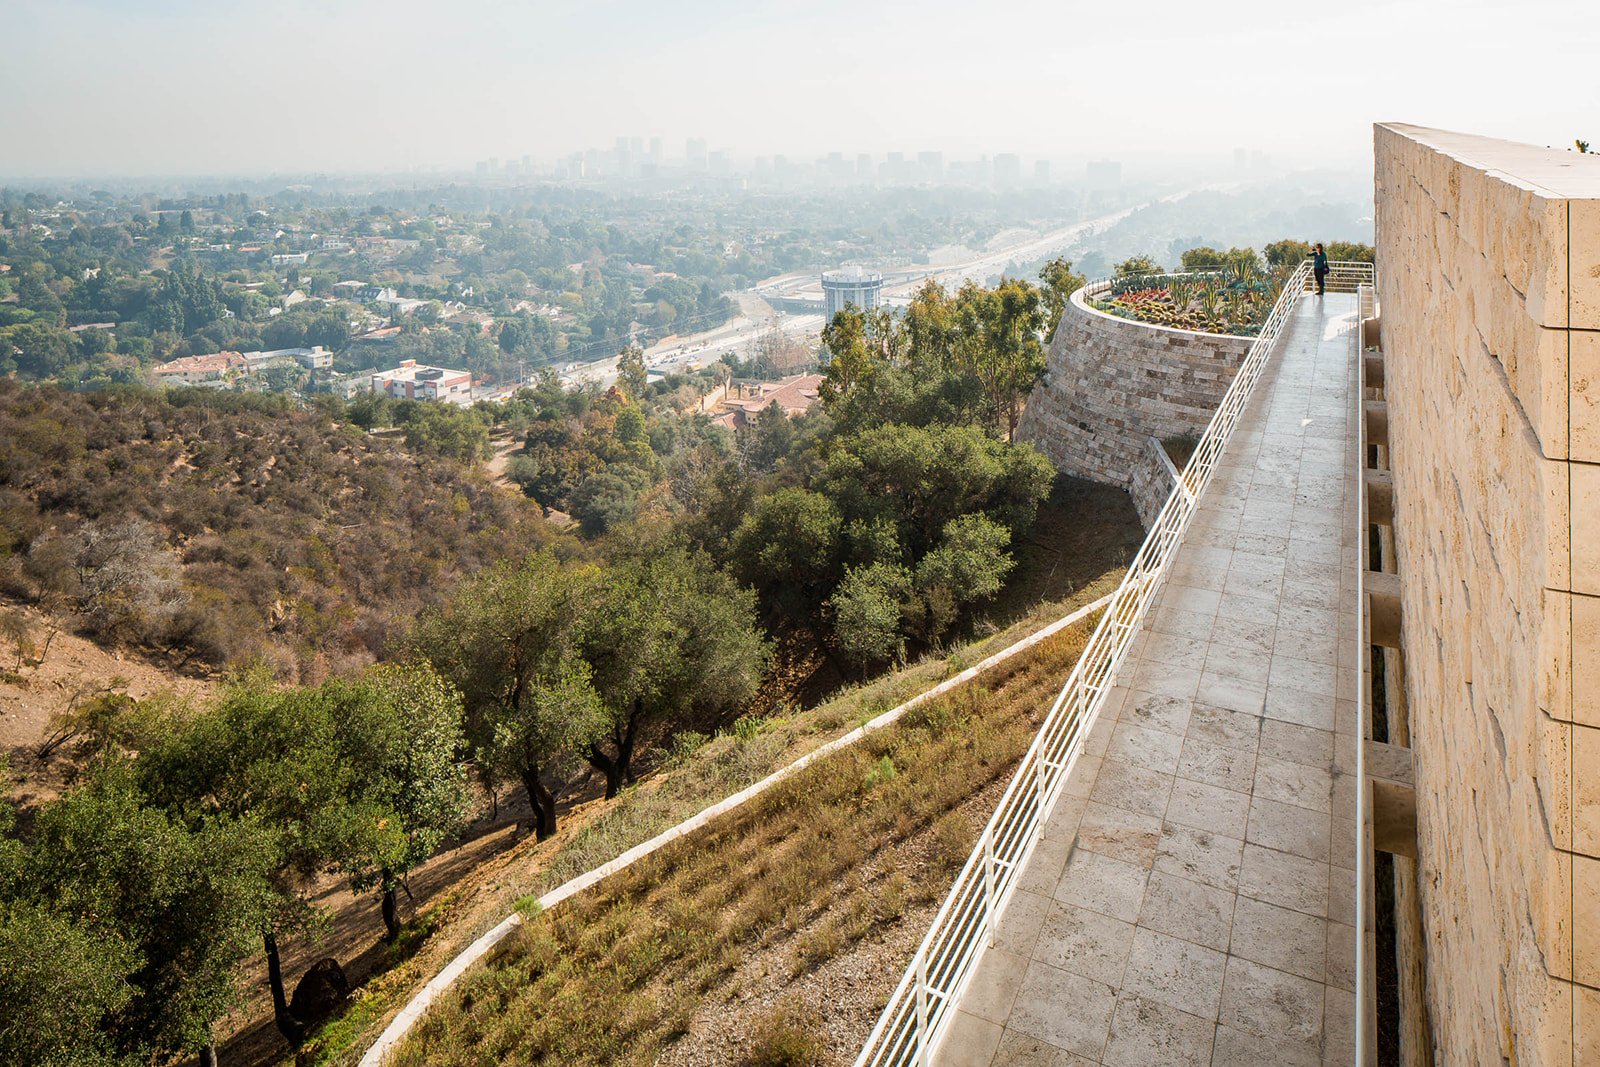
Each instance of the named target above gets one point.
<point>1193,897</point>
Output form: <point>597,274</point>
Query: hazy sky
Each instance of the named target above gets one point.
<point>120,87</point>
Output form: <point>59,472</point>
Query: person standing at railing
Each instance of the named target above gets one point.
<point>1319,265</point>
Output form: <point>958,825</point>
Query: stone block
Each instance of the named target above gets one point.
<point>1584,264</point>
<point>1584,542</point>
<point>1584,757</point>
<point>1584,396</point>
<point>1554,677</point>
<point>1585,652</point>
<point>1585,1025</point>
<point>1586,920</point>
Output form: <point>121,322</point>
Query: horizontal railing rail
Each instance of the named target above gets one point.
<point>920,1009</point>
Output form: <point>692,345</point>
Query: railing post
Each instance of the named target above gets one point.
<point>990,921</point>
<point>1038,798</point>
<point>922,1010</point>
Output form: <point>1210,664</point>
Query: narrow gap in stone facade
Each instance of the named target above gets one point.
<point>1388,968</point>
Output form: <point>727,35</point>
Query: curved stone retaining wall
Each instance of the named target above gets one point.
<point>1112,384</point>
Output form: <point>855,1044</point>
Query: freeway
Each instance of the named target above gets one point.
<point>700,349</point>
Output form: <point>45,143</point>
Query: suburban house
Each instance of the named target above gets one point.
<point>740,401</point>
<point>409,381</point>
<point>193,370</point>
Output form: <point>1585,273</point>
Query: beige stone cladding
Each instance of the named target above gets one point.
<point>1489,278</point>
<point>1151,481</point>
<point>1112,383</point>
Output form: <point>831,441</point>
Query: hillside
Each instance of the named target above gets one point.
<point>214,529</point>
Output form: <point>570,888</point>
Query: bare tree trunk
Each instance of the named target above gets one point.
<point>208,1055</point>
<point>618,769</point>
<point>290,1027</point>
<point>391,912</point>
<point>543,802</point>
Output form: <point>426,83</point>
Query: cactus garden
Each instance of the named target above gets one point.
<point>1235,298</point>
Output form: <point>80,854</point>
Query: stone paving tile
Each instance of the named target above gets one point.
<point>1217,765</point>
<point>1189,910</point>
<point>1101,883</point>
<point>1175,972</point>
<point>1296,743</point>
<point>994,985</point>
<point>1280,938</point>
<point>1155,750</point>
<point>1287,828</point>
<point>1190,903</point>
<point>1051,851</point>
<point>1269,1003</point>
<point>1206,807</point>
<point>1019,926</point>
<point>1246,665</point>
<point>1085,942</point>
<point>1294,783</point>
<point>1067,1010</point>
<point>1235,1048</point>
<point>1140,789</point>
<point>1225,727</point>
<point>1019,1050</point>
<point>1200,855</point>
<point>1123,835</point>
<point>1282,879</point>
<point>1167,713</point>
<point>1235,694</point>
<point>970,1039</point>
<point>1146,1032</point>
<point>1300,707</point>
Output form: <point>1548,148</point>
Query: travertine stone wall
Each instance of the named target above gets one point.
<point>1112,384</point>
<point>1489,277</point>
<point>1151,481</point>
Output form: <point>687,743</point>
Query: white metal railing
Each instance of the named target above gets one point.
<point>1365,1003</point>
<point>920,1008</point>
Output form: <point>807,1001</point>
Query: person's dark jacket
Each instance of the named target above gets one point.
<point>1319,262</point>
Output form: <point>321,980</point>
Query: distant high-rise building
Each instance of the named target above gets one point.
<point>853,285</point>
<point>839,170</point>
<point>1041,172</point>
<point>863,167</point>
<point>1007,170</point>
<point>892,171</point>
<point>694,153</point>
<point>655,150</point>
<point>930,166</point>
<point>1104,175</point>
<point>717,163</point>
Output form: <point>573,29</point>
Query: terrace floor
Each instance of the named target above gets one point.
<point>1193,897</point>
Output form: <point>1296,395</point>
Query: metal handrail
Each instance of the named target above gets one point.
<point>1365,1024</point>
<point>919,1010</point>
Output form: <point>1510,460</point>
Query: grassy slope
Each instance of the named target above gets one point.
<point>848,858</point>
<point>1085,533</point>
